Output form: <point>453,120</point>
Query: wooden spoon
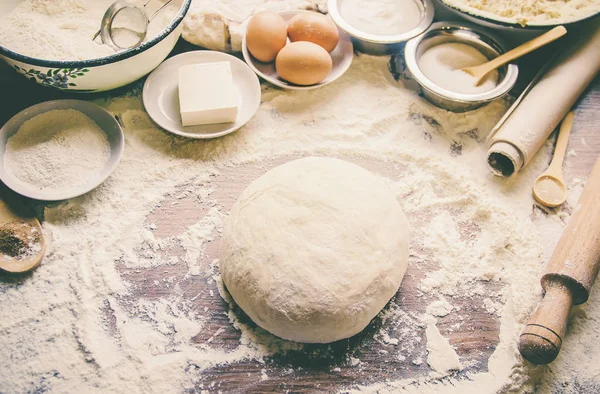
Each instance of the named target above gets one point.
<point>549,188</point>
<point>484,69</point>
<point>18,231</point>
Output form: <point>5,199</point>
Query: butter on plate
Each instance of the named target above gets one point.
<point>207,94</point>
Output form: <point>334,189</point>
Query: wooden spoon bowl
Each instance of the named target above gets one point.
<point>22,244</point>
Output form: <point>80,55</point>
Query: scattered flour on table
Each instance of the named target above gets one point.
<point>441,356</point>
<point>63,29</point>
<point>56,151</point>
<point>439,308</point>
<point>124,299</point>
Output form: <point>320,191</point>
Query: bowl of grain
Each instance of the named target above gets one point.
<point>59,149</point>
<point>52,43</point>
<point>525,17</point>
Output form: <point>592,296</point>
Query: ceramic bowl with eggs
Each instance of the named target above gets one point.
<point>296,50</point>
<point>381,27</point>
<point>99,74</point>
<point>435,59</point>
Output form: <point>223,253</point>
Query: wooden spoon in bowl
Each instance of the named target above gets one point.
<point>22,244</point>
<point>480,71</point>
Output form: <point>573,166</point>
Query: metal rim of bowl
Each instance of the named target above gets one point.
<point>103,60</point>
<point>410,57</point>
<point>332,6</point>
<point>116,150</point>
<point>516,25</point>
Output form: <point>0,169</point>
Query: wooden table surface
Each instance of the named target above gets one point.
<point>315,367</point>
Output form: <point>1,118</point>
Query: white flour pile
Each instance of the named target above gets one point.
<point>128,299</point>
<point>442,64</point>
<point>57,151</point>
<point>63,29</point>
<point>529,12</point>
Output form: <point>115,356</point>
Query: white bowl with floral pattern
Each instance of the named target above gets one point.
<point>101,74</point>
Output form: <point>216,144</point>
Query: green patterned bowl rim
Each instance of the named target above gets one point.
<point>104,60</point>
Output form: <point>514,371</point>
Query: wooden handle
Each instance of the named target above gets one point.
<point>569,276</point>
<point>576,259</point>
<point>560,150</point>
<point>542,337</point>
<point>527,47</point>
<point>484,69</point>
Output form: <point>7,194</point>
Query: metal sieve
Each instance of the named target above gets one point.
<point>125,23</point>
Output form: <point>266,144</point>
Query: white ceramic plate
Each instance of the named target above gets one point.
<point>161,94</point>
<point>342,58</point>
<point>103,119</point>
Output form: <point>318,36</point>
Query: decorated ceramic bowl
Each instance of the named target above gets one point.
<point>101,74</point>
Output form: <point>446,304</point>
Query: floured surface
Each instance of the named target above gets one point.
<point>129,297</point>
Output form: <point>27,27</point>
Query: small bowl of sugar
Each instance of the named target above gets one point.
<point>59,149</point>
<point>435,59</point>
<point>381,27</point>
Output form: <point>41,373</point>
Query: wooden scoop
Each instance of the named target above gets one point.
<point>21,236</point>
<point>480,71</point>
<point>569,276</point>
<point>549,188</point>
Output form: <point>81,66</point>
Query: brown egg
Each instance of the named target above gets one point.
<point>314,27</point>
<point>303,63</point>
<point>266,34</point>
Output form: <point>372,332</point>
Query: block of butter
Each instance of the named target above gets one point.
<point>207,94</point>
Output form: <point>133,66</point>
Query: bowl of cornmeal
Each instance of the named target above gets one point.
<point>52,43</point>
<point>521,15</point>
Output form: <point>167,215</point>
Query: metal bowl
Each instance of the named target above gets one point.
<point>486,43</point>
<point>101,74</point>
<point>375,44</point>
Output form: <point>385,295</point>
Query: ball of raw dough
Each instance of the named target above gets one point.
<point>314,249</point>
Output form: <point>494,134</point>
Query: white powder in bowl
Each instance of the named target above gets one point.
<point>57,150</point>
<point>63,29</point>
<point>442,65</point>
<point>382,17</point>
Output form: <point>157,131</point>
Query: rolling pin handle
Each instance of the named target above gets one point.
<point>541,339</point>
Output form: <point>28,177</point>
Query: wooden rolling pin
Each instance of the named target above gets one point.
<point>569,276</point>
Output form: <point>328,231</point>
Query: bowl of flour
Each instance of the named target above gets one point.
<point>51,43</point>
<point>59,149</point>
<point>536,15</point>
